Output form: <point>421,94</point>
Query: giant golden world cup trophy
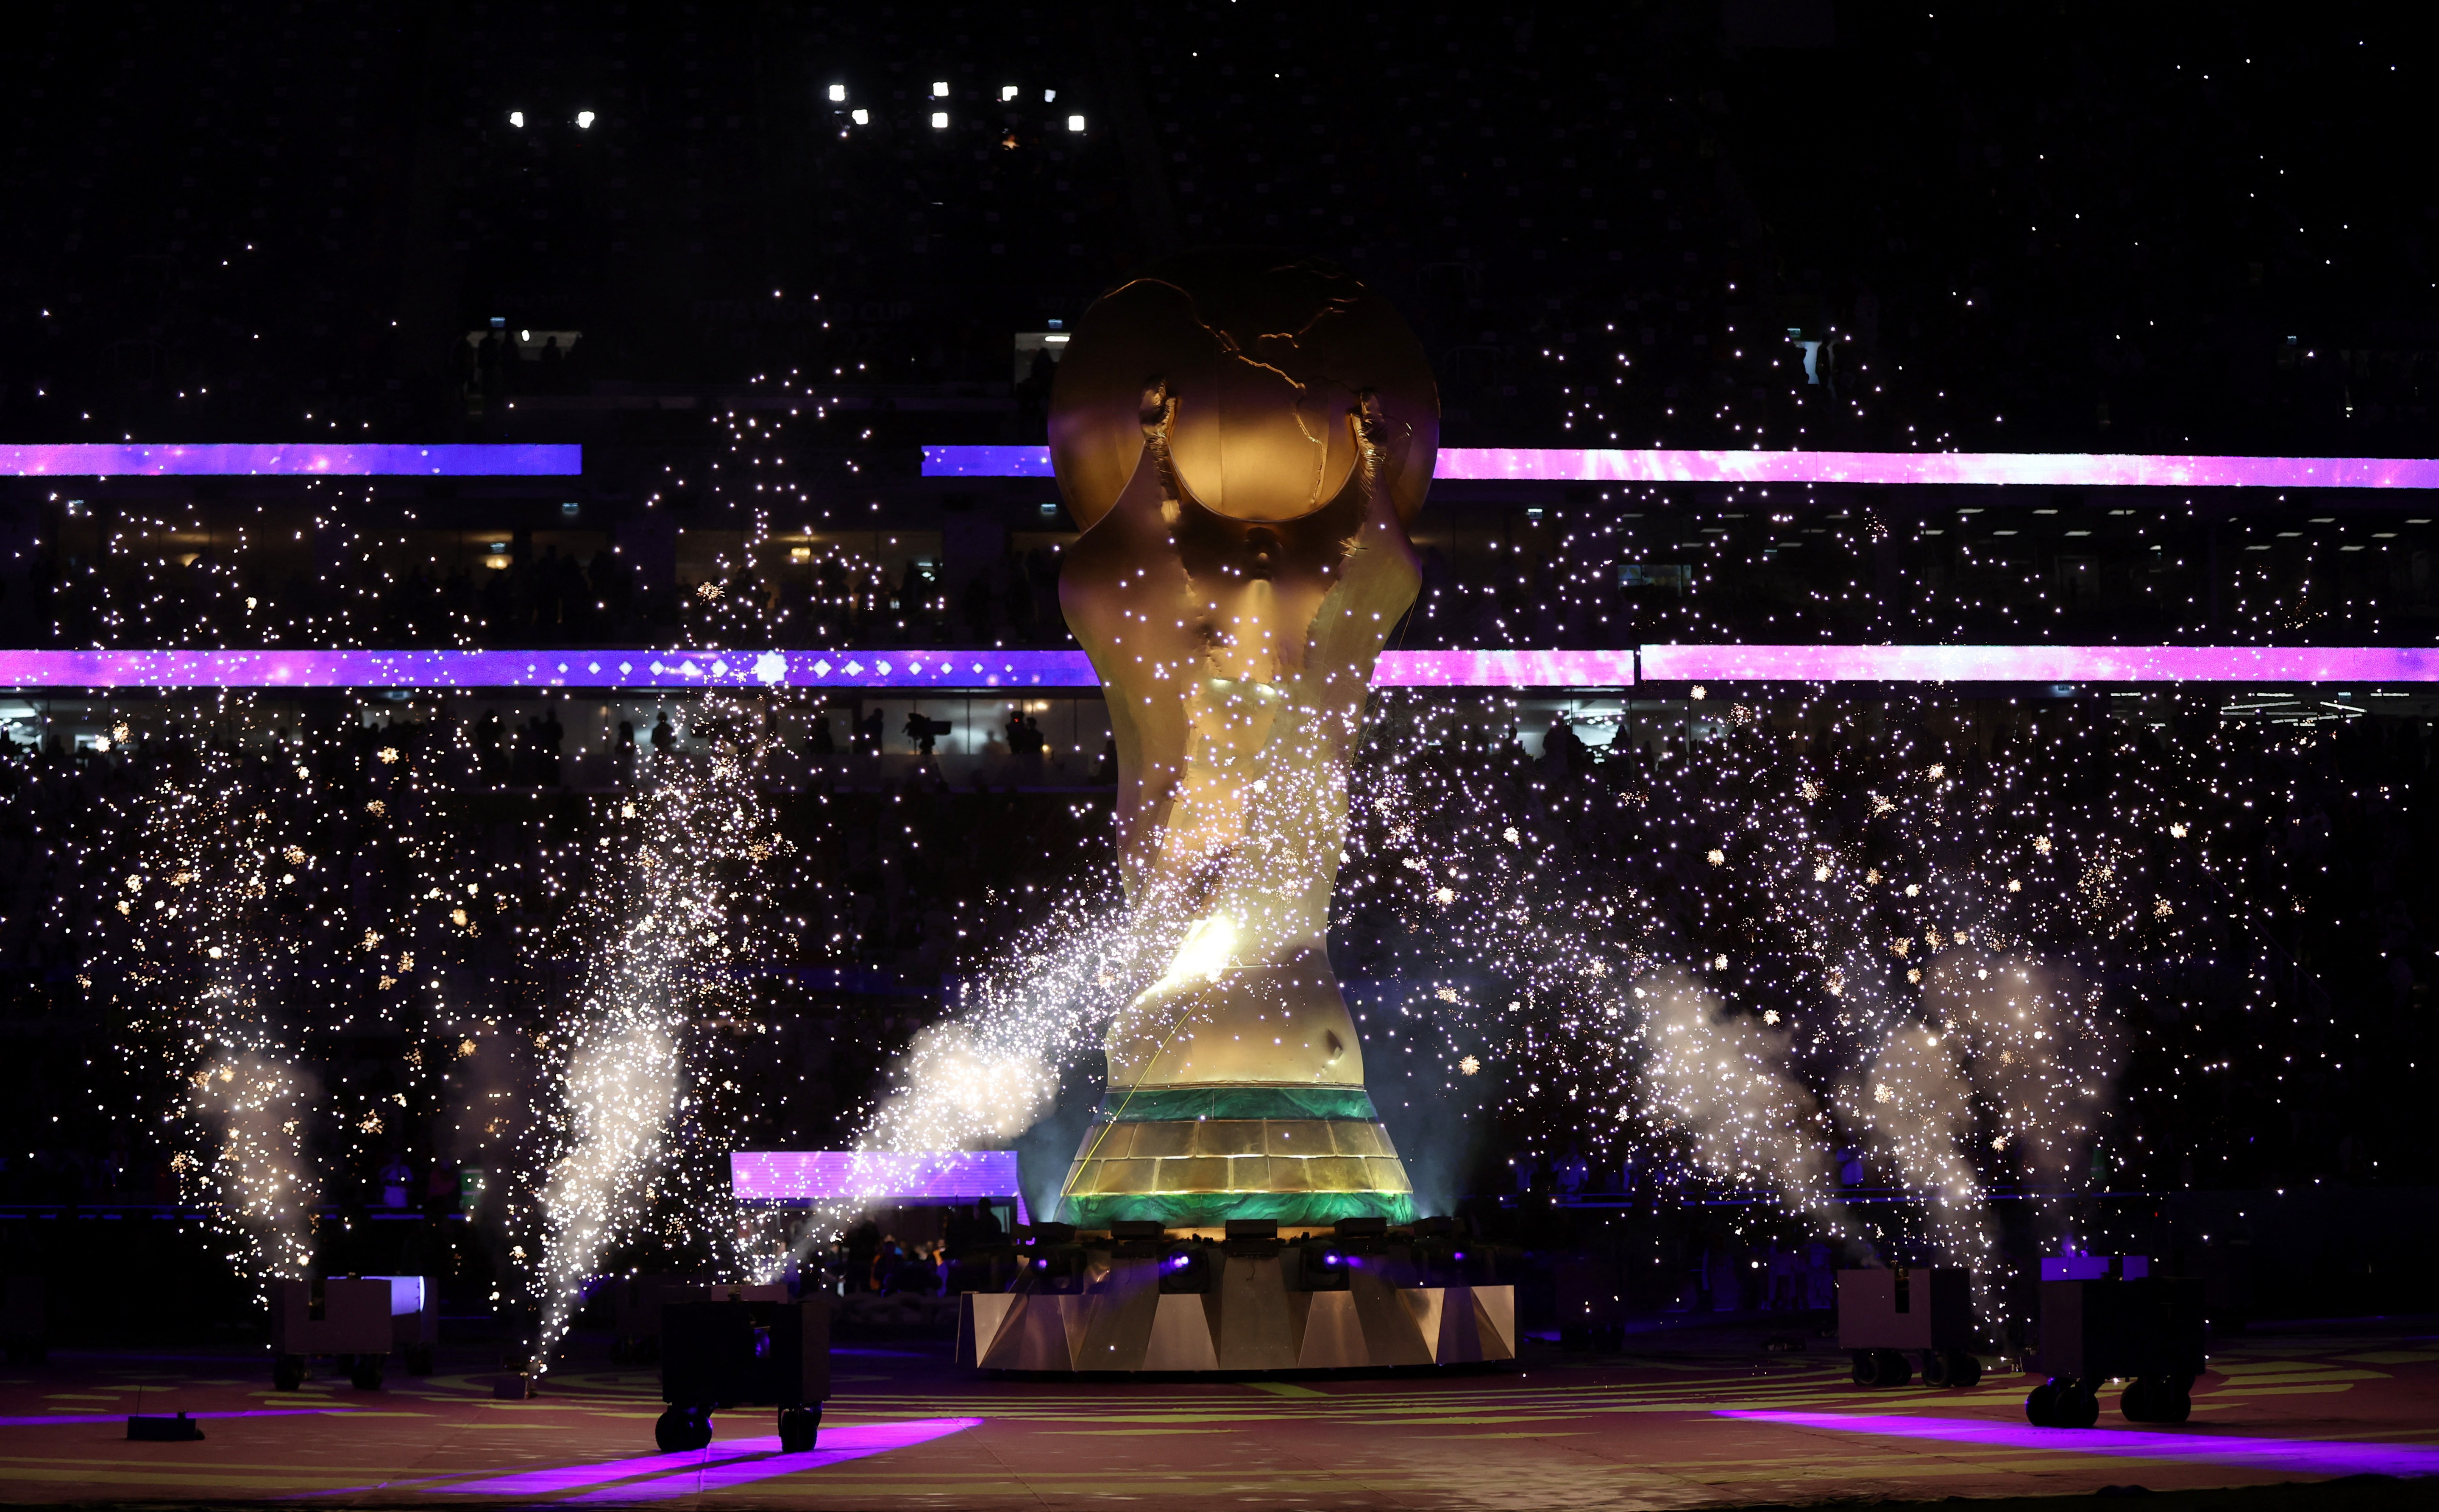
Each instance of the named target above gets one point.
<point>1243,436</point>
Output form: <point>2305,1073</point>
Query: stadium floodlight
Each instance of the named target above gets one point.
<point>939,89</point>
<point>939,120</point>
<point>517,119</point>
<point>1074,123</point>
<point>1006,93</point>
<point>585,121</point>
<point>862,117</point>
<point>1049,97</point>
<point>838,92</point>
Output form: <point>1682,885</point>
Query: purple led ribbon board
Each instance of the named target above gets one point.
<point>2041,664</point>
<point>1579,465</point>
<point>907,670</point>
<point>2293,1456</point>
<point>512,668</point>
<point>949,671</point>
<point>850,1175</point>
<point>297,459</point>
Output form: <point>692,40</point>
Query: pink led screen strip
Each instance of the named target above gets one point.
<point>2041,664</point>
<point>915,672</point>
<point>1519,464</point>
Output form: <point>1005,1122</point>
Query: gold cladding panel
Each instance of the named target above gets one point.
<point>1193,1174</point>
<point>1338,1173</point>
<point>1252,1173</point>
<point>1295,1136</point>
<point>1358,1139</point>
<point>1227,1136</point>
<point>1388,1174</point>
<point>1156,1140</point>
<point>1114,1141</point>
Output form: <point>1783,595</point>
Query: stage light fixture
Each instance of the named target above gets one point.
<point>517,119</point>
<point>585,121</point>
<point>939,89</point>
<point>1186,1270</point>
<point>838,92</point>
<point>1050,96</point>
<point>1006,93</point>
<point>939,120</point>
<point>1074,123</point>
<point>862,117</point>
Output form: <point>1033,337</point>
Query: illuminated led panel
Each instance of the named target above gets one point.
<point>308,459</point>
<point>2041,664</point>
<point>826,1175</point>
<point>955,670</point>
<point>512,668</point>
<point>1577,465</point>
<point>1504,668</point>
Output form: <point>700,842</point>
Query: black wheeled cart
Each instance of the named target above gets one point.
<point>735,1353</point>
<point>1886,1314</point>
<point>2147,1332</point>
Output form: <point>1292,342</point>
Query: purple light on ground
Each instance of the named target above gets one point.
<point>825,1175</point>
<point>835,1445</point>
<point>121,1417</point>
<point>575,1477</point>
<point>2041,664</point>
<point>2299,1456</point>
<point>299,459</point>
<point>1572,465</point>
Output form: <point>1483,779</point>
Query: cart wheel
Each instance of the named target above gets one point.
<point>366,1373</point>
<point>2078,1406</point>
<point>287,1373</point>
<point>1890,1368</point>
<point>2041,1406</point>
<point>2172,1400</point>
<point>1864,1369</point>
<point>797,1428</point>
<point>683,1430</point>
<point>1934,1368</point>
<point>2135,1403</point>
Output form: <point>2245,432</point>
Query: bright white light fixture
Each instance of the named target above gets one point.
<point>939,120</point>
<point>838,92</point>
<point>1007,92</point>
<point>1074,123</point>
<point>939,89</point>
<point>1049,96</point>
<point>862,117</point>
<point>517,117</point>
<point>585,121</point>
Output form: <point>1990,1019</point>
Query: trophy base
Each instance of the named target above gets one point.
<point>1193,1157</point>
<point>1248,1319</point>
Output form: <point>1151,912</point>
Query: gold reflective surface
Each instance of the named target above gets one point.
<point>1244,435</point>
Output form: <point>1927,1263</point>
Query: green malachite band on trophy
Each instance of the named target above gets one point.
<point>1161,1104</point>
<point>1194,1157</point>
<point>1196,1210</point>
